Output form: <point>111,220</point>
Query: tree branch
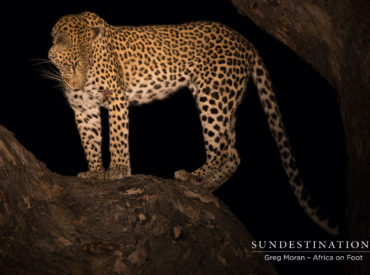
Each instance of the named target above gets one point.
<point>51,224</point>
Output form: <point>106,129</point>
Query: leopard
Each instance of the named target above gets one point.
<point>114,67</point>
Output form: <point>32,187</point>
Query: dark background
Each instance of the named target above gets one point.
<point>166,136</point>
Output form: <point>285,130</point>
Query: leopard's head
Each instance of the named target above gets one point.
<point>74,38</point>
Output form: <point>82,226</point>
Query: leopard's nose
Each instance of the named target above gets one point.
<point>51,54</point>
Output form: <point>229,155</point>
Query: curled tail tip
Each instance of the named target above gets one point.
<point>331,229</point>
<point>334,227</point>
<point>312,209</point>
<point>322,219</point>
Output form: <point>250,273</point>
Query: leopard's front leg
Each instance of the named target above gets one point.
<point>118,136</point>
<point>89,126</point>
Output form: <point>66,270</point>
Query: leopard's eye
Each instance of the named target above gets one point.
<point>61,39</point>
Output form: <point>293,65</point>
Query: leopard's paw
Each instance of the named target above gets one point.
<point>183,175</point>
<point>117,172</point>
<point>95,174</point>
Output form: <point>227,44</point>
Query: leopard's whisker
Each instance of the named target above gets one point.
<point>40,61</point>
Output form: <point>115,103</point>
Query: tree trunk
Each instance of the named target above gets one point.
<point>51,224</point>
<point>334,37</point>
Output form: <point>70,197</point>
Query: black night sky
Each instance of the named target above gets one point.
<point>166,136</point>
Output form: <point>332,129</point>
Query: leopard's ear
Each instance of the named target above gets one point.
<point>94,22</point>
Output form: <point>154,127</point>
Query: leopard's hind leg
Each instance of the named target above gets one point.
<point>217,114</point>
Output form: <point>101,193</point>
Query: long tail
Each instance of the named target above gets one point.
<point>267,96</point>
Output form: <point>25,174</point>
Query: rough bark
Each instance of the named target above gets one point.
<point>334,37</point>
<point>50,224</point>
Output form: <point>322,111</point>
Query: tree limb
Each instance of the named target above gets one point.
<point>50,224</point>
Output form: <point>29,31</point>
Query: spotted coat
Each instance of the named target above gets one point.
<point>119,66</point>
